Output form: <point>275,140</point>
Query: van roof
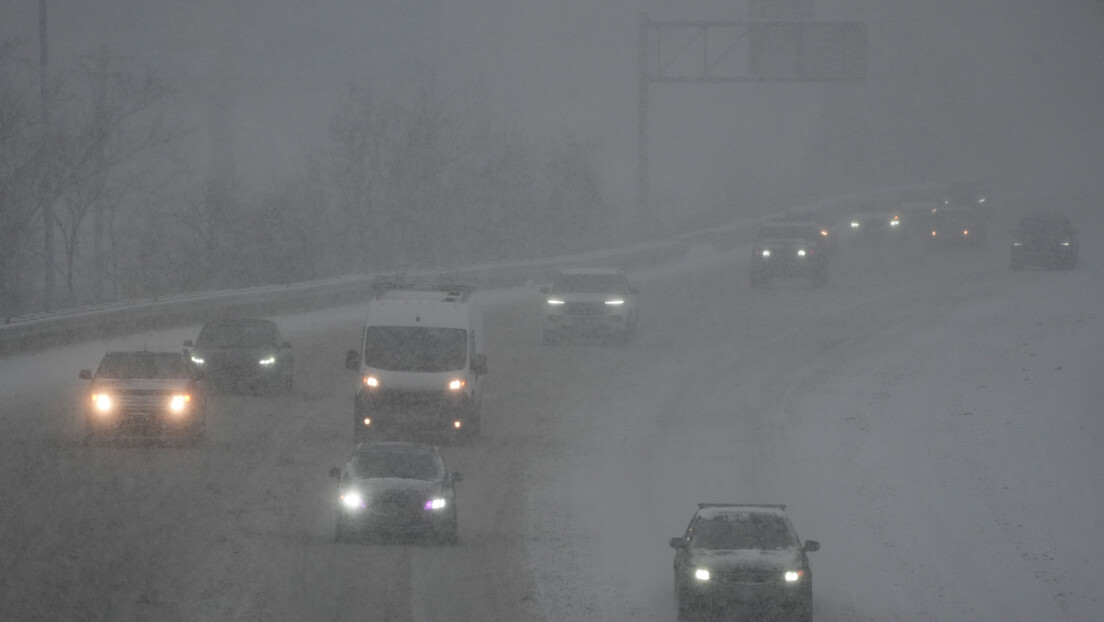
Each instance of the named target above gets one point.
<point>406,308</point>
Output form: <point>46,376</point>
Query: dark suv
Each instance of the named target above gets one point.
<point>795,249</point>
<point>1046,240</point>
<point>143,392</point>
<point>746,559</point>
<point>243,354</point>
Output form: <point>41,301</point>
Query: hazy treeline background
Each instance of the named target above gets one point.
<point>200,144</point>
<point>402,180</point>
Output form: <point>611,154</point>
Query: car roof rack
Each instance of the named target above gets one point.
<point>780,506</point>
<point>452,290</point>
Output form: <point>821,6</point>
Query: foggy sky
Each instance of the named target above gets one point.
<point>1005,90</point>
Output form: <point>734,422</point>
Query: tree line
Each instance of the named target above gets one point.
<point>402,180</point>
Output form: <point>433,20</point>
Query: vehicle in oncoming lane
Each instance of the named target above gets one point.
<point>148,393</point>
<point>421,361</point>
<point>789,249</point>
<point>1046,240</point>
<point>243,354</point>
<point>743,559</point>
<point>590,302</point>
<point>396,490</point>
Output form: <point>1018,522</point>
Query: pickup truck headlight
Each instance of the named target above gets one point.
<point>792,576</point>
<point>102,402</point>
<point>701,574</point>
<point>178,403</point>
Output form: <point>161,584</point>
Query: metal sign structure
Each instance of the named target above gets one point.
<point>756,50</point>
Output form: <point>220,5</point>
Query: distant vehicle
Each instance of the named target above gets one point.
<point>1046,240</point>
<point>875,221</point>
<point>396,489</point>
<point>789,249</point>
<point>243,354</point>
<point>744,559</point>
<point>966,193</point>
<point>146,393</point>
<point>956,227</point>
<point>421,361</point>
<point>590,302</point>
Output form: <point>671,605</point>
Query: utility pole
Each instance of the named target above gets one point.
<point>47,155</point>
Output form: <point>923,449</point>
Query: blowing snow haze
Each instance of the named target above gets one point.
<point>1007,91</point>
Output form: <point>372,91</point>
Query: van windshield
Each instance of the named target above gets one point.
<point>415,348</point>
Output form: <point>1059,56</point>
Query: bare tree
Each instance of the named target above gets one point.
<point>113,132</point>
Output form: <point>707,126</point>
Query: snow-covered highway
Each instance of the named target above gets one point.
<point>934,419</point>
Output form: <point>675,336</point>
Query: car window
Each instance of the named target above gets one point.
<point>143,365</point>
<point>238,335</point>
<point>743,531</point>
<point>396,464</point>
<point>415,348</point>
<point>589,283</point>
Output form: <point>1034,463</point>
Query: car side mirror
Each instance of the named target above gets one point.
<point>812,545</point>
<point>677,543</point>
<point>457,477</point>
<point>188,343</point>
<point>352,360</point>
<point>86,374</point>
<point>479,364</point>
<point>545,289</point>
<point>335,473</point>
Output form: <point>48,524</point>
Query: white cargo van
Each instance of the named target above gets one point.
<point>421,361</point>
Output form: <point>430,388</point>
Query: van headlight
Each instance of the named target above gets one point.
<point>456,384</point>
<point>352,499</point>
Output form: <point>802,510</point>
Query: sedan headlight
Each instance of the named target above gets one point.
<point>102,402</point>
<point>352,500</point>
<point>371,382</point>
<point>197,360</point>
<point>615,302</point>
<point>801,252</point>
<point>701,574</point>
<point>267,361</point>
<point>766,252</point>
<point>792,576</point>
<point>1017,243</point>
<point>855,224</point>
<point>436,503</point>
<point>555,301</point>
<point>178,403</point>
<point>1065,243</point>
